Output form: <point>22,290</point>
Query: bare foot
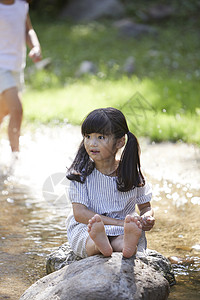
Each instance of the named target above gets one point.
<point>98,235</point>
<point>132,233</point>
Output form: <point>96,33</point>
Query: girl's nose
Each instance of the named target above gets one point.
<point>93,142</point>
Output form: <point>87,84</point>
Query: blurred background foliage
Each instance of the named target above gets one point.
<point>161,95</point>
<point>185,8</point>
<point>48,8</point>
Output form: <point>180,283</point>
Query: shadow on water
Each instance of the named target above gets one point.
<point>32,216</point>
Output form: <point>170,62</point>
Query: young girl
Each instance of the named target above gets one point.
<point>15,32</point>
<point>104,191</point>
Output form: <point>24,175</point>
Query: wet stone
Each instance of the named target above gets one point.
<point>97,277</point>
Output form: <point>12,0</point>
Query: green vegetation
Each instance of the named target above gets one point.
<point>161,99</point>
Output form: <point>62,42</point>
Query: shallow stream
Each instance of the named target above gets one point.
<point>34,207</point>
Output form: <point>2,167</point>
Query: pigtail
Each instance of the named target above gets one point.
<point>81,167</point>
<point>129,172</point>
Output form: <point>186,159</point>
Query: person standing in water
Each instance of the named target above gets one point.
<point>15,32</point>
<point>105,191</point>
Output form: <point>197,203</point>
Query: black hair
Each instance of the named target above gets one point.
<point>108,121</point>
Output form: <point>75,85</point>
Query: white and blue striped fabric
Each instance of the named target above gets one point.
<point>100,194</point>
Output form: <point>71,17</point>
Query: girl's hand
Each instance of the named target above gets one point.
<point>147,222</point>
<point>35,54</point>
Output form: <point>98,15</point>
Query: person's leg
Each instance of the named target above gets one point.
<point>91,248</point>
<point>11,104</point>
<point>117,243</point>
<point>3,109</point>
<point>98,241</point>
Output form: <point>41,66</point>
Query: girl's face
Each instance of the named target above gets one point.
<point>100,147</point>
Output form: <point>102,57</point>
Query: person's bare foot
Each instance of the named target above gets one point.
<point>132,233</point>
<point>97,233</point>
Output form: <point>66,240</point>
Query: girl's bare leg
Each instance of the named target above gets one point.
<point>91,248</point>
<point>98,241</point>
<point>117,243</point>
<point>11,104</point>
<point>3,109</point>
<point>132,233</point>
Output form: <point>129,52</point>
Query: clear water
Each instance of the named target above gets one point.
<point>34,208</point>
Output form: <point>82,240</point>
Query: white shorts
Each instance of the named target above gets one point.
<point>9,79</point>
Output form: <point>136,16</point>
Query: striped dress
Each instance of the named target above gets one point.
<point>99,193</point>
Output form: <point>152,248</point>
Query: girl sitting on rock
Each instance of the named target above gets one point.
<point>104,190</point>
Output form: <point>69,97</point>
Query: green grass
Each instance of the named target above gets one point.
<point>161,100</point>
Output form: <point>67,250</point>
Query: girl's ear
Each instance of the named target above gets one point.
<point>120,142</point>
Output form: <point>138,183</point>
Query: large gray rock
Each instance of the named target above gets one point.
<point>87,10</point>
<point>99,277</point>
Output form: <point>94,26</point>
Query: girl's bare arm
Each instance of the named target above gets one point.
<point>82,215</point>
<point>147,215</point>
<point>32,41</point>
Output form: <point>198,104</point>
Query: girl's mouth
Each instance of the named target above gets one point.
<point>94,151</point>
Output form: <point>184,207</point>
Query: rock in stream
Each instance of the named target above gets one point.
<point>146,277</point>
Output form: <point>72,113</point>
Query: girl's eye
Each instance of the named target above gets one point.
<point>87,136</point>
<point>101,137</point>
